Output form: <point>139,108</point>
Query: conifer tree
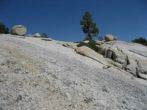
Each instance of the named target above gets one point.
<point>89,26</point>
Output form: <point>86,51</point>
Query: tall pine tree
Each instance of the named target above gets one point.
<point>89,26</point>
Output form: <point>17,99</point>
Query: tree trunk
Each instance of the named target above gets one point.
<point>89,37</point>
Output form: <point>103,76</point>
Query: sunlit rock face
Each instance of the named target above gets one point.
<point>38,74</point>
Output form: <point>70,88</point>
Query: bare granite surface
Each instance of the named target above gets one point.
<point>44,75</point>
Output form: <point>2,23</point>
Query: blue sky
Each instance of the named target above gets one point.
<point>60,19</point>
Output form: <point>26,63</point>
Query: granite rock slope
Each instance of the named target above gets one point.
<point>44,75</point>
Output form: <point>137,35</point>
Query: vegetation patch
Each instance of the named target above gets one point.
<point>3,28</point>
<point>140,40</point>
<point>91,45</point>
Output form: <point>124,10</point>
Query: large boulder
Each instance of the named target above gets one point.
<point>19,30</point>
<point>110,37</point>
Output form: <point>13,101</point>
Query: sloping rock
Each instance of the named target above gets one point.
<point>18,30</point>
<point>70,45</point>
<point>86,51</point>
<point>40,75</point>
<point>16,36</point>
<point>47,39</point>
<point>131,68</point>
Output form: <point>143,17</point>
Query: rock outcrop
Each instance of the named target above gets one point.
<point>44,75</point>
<point>119,53</point>
<point>18,30</point>
<point>119,57</point>
<point>86,51</point>
<point>137,68</point>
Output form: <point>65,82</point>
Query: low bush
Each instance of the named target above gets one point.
<point>91,45</point>
<point>140,40</point>
<point>3,29</point>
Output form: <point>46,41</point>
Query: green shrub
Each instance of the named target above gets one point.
<point>140,40</point>
<point>44,35</point>
<point>3,29</point>
<point>91,45</point>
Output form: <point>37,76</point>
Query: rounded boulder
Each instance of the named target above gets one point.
<point>109,37</point>
<point>19,30</point>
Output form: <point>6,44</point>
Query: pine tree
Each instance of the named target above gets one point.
<point>89,27</point>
